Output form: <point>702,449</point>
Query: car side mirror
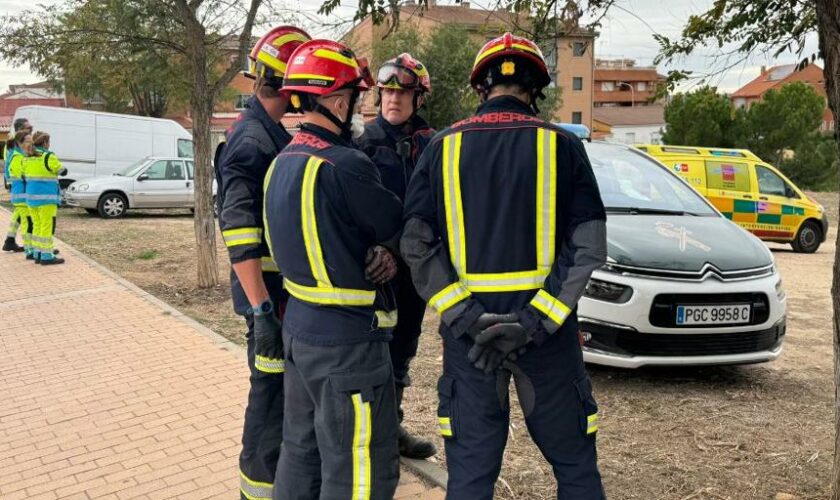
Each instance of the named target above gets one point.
<point>143,177</point>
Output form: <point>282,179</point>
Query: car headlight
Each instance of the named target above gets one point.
<point>610,292</point>
<point>82,187</point>
<point>780,292</point>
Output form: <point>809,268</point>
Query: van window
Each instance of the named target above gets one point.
<point>185,148</point>
<point>770,183</point>
<point>670,149</point>
<point>190,172</point>
<point>727,175</point>
<point>731,154</point>
<point>166,170</point>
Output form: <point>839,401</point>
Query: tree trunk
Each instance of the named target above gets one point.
<point>202,110</point>
<point>828,19</point>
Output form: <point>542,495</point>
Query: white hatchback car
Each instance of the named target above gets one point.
<point>154,182</point>
<point>682,284</point>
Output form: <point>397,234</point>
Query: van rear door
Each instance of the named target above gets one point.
<point>729,186</point>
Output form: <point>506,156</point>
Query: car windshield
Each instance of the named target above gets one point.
<point>632,183</point>
<point>133,169</point>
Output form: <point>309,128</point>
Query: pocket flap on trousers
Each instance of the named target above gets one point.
<point>357,382</point>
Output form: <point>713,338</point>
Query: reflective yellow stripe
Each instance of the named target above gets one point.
<point>269,365</point>
<point>307,76</point>
<point>335,56</point>
<point>242,236</point>
<point>480,57</point>
<point>551,307</point>
<point>310,224</point>
<point>445,426</point>
<point>268,265</point>
<point>271,60</point>
<point>545,211</point>
<point>386,319</point>
<point>506,282</point>
<point>330,295</point>
<point>546,197</point>
<point>448,297</point>
<point>254,490</point>
<point>452,202</point>
<point>361,449</point>
<point>592,423</point>
<point>266,183</point>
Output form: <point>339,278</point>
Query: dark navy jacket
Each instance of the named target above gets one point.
<point>395,149</point>
<point>533,221</point>
<point>325,207</point>
<point>253,141</point>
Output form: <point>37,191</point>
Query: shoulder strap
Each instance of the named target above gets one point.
<point>47,162</point>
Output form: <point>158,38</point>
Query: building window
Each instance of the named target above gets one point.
<point>641,86</point>
<point>607,86</point>
<point>577,83</point>
<point>630,138</point>
<point>241,99</point>
<point>579,49</point>
<point>577,117</point>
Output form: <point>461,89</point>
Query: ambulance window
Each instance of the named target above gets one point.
<point>769,182</point>
<point>668,149</point>
<point>727,175</point>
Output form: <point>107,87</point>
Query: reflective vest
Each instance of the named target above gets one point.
<point>41,173</point>
<point>15,164</point>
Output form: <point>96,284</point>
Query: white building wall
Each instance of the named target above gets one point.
<point>638,134</point>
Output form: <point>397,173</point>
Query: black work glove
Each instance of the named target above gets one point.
<point>62,171</point>
<point>268,338</point>
<point>497,343</point>
<point>487,354</point>
<point>381,266</point>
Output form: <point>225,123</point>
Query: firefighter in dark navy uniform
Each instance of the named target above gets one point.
<point>333,229</point>
<point>394,141</point>
<point>253,142</point>
<point>504,225</point>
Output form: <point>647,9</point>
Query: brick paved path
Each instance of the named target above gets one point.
<point>105,392</point>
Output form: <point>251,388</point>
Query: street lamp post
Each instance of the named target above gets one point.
<point>632,93</point>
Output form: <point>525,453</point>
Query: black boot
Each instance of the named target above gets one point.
<point>50,262</point>
<point>11,246</point>
<point>411,446</point>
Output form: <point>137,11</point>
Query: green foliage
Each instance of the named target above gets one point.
<point>147,254</point>
<point>783,120</point>
<point>815,164</point>
<point>700,118</point>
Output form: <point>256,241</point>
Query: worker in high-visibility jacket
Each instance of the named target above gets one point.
<point>394,141</point>
<point>504,225</point>
<point>333,230</point>
<point>256,285</point>
<point>43,196</point>
<point>18,148</point>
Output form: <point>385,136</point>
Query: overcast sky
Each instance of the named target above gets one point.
<point>626,33</point>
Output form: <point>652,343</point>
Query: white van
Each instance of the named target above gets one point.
<point>93,143</point>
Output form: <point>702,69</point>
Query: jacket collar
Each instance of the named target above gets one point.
<point>505,103</point>
<point>407,129</point>
<point>325,134</point>
<point>276,131</point>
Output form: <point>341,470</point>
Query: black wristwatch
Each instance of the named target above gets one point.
<point>264,308</point>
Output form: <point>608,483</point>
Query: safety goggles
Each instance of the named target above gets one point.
<point>393,74</point>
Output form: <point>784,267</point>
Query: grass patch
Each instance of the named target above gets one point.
<point>147,254</point>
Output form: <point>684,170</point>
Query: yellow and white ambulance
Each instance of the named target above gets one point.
<point>748,191</point>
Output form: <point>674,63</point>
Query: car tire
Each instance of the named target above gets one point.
<point>112,206</point>
<point>92,211</point>
<point>808,238</point>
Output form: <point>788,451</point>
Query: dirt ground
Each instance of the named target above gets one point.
<point>690,433</point>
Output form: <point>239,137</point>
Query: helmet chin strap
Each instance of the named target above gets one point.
<point>343,126</point>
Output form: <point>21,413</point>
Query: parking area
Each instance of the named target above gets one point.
<point>699,433</point>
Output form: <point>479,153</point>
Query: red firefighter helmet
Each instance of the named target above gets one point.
<point>269,56</point>
<point>321,67</point>
<point>504,52</point>
<point>404,72</point>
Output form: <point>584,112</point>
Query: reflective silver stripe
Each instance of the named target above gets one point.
<point>528,280</point>
<point>592,423</point>
<point>268,265</point>
<point>254,490</point>
<point>551,307</point>
<point>452,201</point>
<point>242,239</point>
<point>309,223</point>
<point>445,426</point>
<point>13,179</point>
<point>41,196</point>
<point>269,365</point>
<point>42,179</point>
